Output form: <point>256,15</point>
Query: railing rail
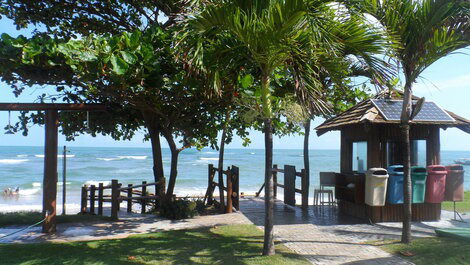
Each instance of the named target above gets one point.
<point>96,195</point>
<point>230,191</point>
<point>290,175</point>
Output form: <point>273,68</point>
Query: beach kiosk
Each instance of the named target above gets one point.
<point>370,138</point>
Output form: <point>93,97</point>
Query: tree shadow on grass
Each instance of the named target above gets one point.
<point>240,244</point>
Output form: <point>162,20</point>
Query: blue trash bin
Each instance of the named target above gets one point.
<point>395,184</point>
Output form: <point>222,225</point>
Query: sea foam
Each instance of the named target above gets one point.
<point>13,161</point>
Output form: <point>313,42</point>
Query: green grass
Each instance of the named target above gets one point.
<point>234,244</point>
<point>29,218</point>
<point>433,250</point>
<point>463,207</point>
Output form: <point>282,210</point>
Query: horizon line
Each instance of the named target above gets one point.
<point>227,148</point>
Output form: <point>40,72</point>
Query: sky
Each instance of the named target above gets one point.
<point>446,82</point>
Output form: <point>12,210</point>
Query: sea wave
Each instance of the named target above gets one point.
<point>22,156</point>
<point>209,158</point>
<point>13,161</point>
<point>97,182</point>
<point>27,192</point>
<point>108,159</point>
<point>133,157</point>
<point>37,184</point>
<point>59,156</point>
<point>121,158</point>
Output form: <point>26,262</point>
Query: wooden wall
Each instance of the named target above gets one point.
<point>377,136</point>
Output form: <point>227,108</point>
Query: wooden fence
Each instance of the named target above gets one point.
<point>97,196</point>
<point>232,189</point>
<point>290,175</point>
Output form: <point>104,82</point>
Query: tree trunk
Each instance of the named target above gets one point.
<point>174,165</point>
<point>268,246</point>
<point>221,168</point>
<point>306,152</point>
<point>157,157</point>
<point>405,134</point>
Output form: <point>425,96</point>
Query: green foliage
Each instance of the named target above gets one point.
<point>178,208</point>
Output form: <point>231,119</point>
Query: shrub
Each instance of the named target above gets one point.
<point>177,209</point>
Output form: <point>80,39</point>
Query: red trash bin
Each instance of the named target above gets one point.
<point>436,184</point>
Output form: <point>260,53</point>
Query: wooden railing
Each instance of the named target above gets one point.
<point>290,175</point>
<point>113,194</point>
<point>232,189</point>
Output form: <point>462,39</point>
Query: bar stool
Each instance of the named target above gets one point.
<point>327,179</point>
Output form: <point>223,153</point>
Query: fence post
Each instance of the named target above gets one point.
<point>210,184</point>
<point>100,198</point>
<point>236,187</point>
<point>84,199</point>
<point>114,199</point>
<point>129,198</point>
<point>119,197</point>
<point>229,207</point>
<point>275,181</point>
<point>289,185</point>
<point>92,199</point>
<point>305,188</point>
<point>144,193</point>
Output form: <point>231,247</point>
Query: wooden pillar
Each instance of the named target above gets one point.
<point>100,198</point>
<point>373,149</point>
<point>144,193</point>
<point>305,187</point>
<point>345,154</point>
<point>50,172</point>
<point>236,187</point>
<point>229,207</point>
<point>84,199</point>
<point>275,181</point>
<point>114,199</point>
<point>92,199</point>
<point>433,147</point>
<point>129,198</point>
<point>289,185</point>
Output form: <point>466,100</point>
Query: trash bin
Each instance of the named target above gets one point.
<point>436,183</point>
<point>395,184</point>
<point>454,183</point>
<point>418,182</point>
<point>376,186</point>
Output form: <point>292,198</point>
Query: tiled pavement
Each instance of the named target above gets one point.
<point>323,236</point>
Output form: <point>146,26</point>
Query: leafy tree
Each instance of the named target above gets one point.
<point>134,72</point>
<point>79,19</point>
<point>424,31</point>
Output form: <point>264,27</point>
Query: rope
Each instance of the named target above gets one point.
<point>31,226</point>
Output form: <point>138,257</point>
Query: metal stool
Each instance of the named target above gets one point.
<point>318,198</point>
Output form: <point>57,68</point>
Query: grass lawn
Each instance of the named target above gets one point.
<point>433,250</point>
<point>463,207</point>
<point>234,244</point>
<point>29,218</point>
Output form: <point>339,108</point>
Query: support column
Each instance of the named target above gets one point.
<point>50,171</point>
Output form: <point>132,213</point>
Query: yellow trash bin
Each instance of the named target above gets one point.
<point>376,186</point>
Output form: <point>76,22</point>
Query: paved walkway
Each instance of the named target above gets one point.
<point>323,236</point>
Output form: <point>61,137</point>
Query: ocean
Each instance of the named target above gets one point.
<point>23,167</point>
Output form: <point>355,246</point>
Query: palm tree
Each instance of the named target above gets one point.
<point>424,31</point>
<point>362,47</point>
<point>269,35</point>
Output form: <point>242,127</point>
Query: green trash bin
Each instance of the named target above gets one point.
<point>418,182</point>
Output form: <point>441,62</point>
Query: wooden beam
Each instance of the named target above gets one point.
<point>50,171</point>
<point>50,106</point>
